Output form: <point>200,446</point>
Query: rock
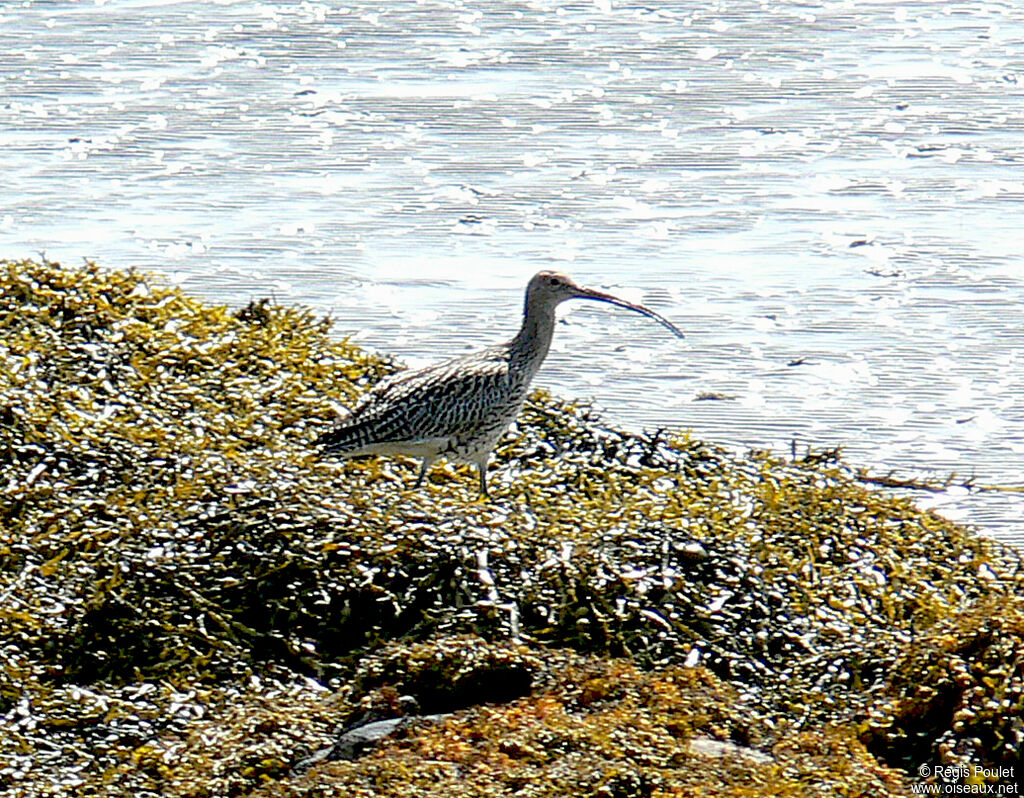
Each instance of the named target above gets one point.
<point>363,735</point>
<point>718,749</point>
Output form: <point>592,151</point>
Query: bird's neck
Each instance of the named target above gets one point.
<point>534,338</point>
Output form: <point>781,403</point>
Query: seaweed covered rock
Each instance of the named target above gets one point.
<point>592,726</point>
<point>605,727</point>
<point>171,547</point>
<point>955,708</point>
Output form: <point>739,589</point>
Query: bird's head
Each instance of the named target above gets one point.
<point>552,288</point>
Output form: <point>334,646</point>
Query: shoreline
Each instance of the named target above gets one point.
<point>175,552</point>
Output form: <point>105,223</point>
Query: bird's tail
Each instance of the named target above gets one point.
<point>345,438</point>
<point>335,439</point>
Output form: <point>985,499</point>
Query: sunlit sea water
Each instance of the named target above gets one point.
<point>827,197</point>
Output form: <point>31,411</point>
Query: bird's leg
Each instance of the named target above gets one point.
<point>482,469</point>
<point>423,472</point>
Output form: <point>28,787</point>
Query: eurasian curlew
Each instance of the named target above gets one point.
<point>461,408</point>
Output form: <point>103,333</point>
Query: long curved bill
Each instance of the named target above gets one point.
<point>601,296</point>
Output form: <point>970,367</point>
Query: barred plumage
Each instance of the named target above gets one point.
<point>462,407</point>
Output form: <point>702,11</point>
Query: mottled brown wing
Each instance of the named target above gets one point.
<point>446,400</point>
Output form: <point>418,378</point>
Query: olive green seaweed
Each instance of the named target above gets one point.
<point>192,601</point>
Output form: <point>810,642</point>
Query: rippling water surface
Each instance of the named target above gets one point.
<point>826,196</point>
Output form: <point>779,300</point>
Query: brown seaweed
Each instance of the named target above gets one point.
<point>177,566</point>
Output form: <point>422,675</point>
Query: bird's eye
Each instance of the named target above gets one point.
<point>553,281</point>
